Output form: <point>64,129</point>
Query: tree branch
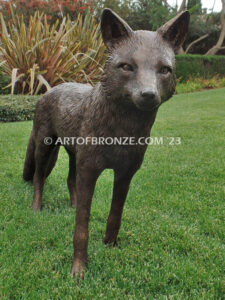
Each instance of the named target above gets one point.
<point>195,42</point>
<point>219,43</point>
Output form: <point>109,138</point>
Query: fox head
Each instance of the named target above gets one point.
<point>140,68</point>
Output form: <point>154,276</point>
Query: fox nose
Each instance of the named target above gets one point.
<point>149,95</point>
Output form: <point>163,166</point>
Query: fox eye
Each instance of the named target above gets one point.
<point>165,70</point>
<point>126,67</point>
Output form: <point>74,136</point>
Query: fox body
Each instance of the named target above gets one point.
<point>139,75</point>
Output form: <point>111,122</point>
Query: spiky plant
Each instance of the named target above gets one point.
<point>40,56</point>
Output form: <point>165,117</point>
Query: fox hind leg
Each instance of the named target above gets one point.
<point>45,159</point>
<point>29,165</point>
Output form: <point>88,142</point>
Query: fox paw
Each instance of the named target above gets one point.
<point>77,269</point>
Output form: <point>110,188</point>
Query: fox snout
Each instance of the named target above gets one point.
<point>146,99</point>
<point>149,98</point>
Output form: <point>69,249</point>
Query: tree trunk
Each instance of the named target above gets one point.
<point>180,51</point>
<point>219,43</point>
<point>182,6</point>
<point>165,3</point>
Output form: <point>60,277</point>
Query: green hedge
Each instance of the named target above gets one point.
<point>199,66</point>
<point>17,108</point>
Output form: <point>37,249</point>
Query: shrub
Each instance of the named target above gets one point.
<point>52,8</point>
<point>199,66</point>
<point>198,84</point>
<point>17,108</point>
<point>39,56</point>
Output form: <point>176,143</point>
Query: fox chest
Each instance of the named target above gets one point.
<point>122,156</point>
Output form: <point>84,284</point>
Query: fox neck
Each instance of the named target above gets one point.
<point>121,113</point>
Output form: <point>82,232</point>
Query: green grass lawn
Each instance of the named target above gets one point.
<point>171,242</point>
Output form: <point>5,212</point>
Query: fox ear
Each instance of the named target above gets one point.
<point>113,28</point>
<point>175,30</point>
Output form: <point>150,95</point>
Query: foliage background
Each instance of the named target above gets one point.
<point>44,43</point>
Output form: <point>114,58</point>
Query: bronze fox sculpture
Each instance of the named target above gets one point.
<point>139,75</point>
